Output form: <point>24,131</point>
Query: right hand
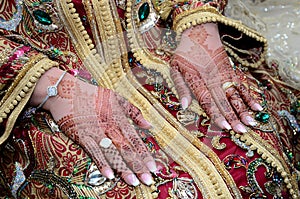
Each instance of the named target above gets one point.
<point>96,119</point>
<point>200,64</point>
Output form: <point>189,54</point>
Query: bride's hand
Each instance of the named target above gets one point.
<point>96,119</point>
<point>200,64</point>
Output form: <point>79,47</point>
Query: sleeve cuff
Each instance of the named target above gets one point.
<point>19,92</point>
<point>245,45</point>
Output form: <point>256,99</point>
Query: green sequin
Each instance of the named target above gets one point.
<point>144,11</point>
<point>42,17</point>
<point>262,117</point>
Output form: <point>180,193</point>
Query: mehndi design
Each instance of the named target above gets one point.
<point>206,68</point>
<point>92,116</point>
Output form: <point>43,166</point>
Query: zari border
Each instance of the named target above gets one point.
<point>20,91</point>
<point>268,153</point>
<point>209,14</point>
<point>170,140</point>
<point>83,44</point>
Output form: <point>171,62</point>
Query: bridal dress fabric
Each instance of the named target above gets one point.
<point>279,22</point>
<point>128,46</point>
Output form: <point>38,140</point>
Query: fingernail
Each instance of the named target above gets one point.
<point>145,124</point>
<point>251,121</point>
<point>147,178</point>
<point>109,174</point>
<point>257,107</point>
<point>226,125</point>
<point>241,128</point>
<point>132,179</point>
<point>151,166</point>
<point>184,103</point>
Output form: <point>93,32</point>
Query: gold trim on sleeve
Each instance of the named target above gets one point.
<point>209,14</point>
<point>20,91</point>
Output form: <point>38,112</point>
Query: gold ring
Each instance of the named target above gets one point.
<point>227,85</point>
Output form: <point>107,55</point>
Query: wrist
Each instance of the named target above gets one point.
<point>42,95</point>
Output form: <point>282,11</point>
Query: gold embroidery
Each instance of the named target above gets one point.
<point>268,153</point>
<point>20,75</point>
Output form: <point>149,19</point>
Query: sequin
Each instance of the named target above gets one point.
<point>15,20</point>
<point>144,11</point>
<point>42,17</point>
<point>262,117</point>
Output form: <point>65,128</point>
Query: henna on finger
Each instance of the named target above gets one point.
<point>139,146</point>
<point>226,110</point>
<point>239,106</point>
<point>116,162</point>
<point>180,85</point>
<point>128,131</point>
<point>77,129</point>
<point>133,112</point>
<point>242,85</point>
<point>126,150</point>
<point>246,96</point>
<point>131,156</point>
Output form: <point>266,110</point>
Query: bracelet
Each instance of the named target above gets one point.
<point>51,91</point>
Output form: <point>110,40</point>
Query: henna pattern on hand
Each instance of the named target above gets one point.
<point>65,89</point>
<point>205,67</point>
<point>91,114</point>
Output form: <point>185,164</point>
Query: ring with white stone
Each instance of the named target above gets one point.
<point>105,143</point>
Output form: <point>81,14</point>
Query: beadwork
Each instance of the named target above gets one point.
<point>15,20</point>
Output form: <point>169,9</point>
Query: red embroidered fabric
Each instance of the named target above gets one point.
<point>35,147</point>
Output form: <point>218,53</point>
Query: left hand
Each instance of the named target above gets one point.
<point>201,62</point>
<point>97,119</point>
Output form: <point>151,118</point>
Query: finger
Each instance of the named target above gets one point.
<point>132,136</point>
<point>130,156</point>
<point>243,88</point>
<point>204,98</point>
<point>139,146</point>
<point>210,107</point>
<point>245,94</point>
<point>237,103</point>
<point>141,160</point>
<point>134,113</point>
<point>93,149</point>
<point>181,87</point>
<point>76,129</point>
<point>116,161</point>
<point>226,110</point>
